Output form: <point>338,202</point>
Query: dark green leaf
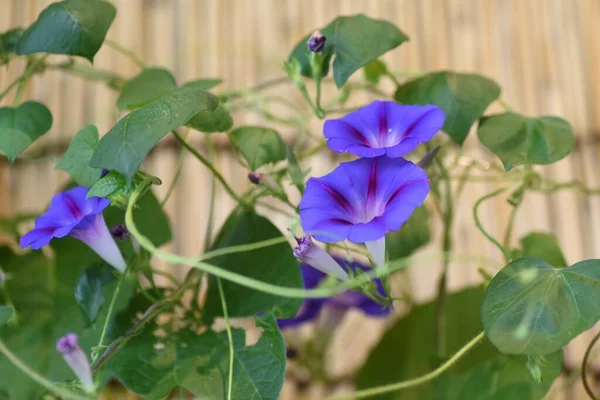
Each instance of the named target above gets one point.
<point>218,120</point>
<point>374,71</point>
<point>463,97</point>
<point>532,308</point>
<point>204,84</point>
<point>151,84</point>
<point>112,183</point>
<point>5,313</point>
<point>258,145</point>
<point>8,43</point>
<point>355,41</point>
<point>297,176</point>
<point>21,126</point>
<point>75,27</point>
<point>89,291</point>
<point>408,346</point>
<point>545,246</point>
<point>502,378</point>
<point>244,227</point>
<point>517,139</point>
<point>77,158</point>
<point>153,366</point>
<point>415,234</point>
<point>125,146</point>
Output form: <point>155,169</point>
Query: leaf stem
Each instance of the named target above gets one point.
<point>480,226</point>
<point>584,366</point>
<point>177,172</point>
<point>416,381</point>
<point>126,52</point>
<point>17,362</point>
<point>229,338</point>
<point>213,195</point>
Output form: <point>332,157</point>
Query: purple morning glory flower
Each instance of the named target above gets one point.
<point>74,356</point>
<point>311,308</point>
<point>71,214</point>
<point>318,258</point>
<point>383,127</point>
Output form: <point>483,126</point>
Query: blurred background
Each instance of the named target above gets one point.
<point>545,54</point>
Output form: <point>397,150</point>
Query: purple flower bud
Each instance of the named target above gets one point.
<point>119,232</point>
<point>71,213</point>
<point>318,258</point>
<point>74,356</point>
<point>254,177</point>
<point>316,42</point>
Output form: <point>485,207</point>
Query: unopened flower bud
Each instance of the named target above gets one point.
<point>316,42</point>
<point>254,178</point>
<point>74,356</point>
<point>428,158</point>
<point>119,232</point>
<point>267,181</point>
<point>316,257</point>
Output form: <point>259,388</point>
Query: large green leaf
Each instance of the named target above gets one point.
<point>414,234</point>
<point>126,145</point>
<point>545,246</point>
<point>153,366</point>
<point>89,291</point>
<point>259,145</point>
<point>517,139</point>
<point>149,85</point>
<point>407,349</point>
<point>21,126</point>
<point>502,378</point>
<point>77,158</point>
<point>463,97</point>
<point>219,120</point>
<point>204,83</point>
<point>8,43</point>
<point>355,41</point>
<point>532,308</point>
<point>5,313</point>
<point>274,264</point>
<point>75,27</point>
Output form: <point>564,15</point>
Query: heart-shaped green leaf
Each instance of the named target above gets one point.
<point>112,183</point>
<point>545,246</point>
<point>77,158</point>
<point>21,126</point>
<point>463,97</point>
<point>5,313</point>
<point>218,120</point>
<point>517,139</point>
<point>149,85</point>
<point>89,292</point>
<point>126,145</point>
<point>531,307</point>
<point>259,145</point>
<point>75,27</point>
<point>355,41</point>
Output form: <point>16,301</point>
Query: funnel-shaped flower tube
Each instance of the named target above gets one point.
<point>318,258</point>
<point>362,200</point>
<point>71,214</point>
<point>74,356</point>
<point>383,127</point>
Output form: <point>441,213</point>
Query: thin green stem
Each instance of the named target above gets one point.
<point>212,154</point>
<point>9,87</point>
<point>178,170</point>
<point>504,104</point>
<point>229,338</point>
<point>480,226</point>
<point>584,366</point>
<point>416,381</point>
<point>511,223</point>
<point>24,79</point>
<point>17,362</point>
<point>211,167</point>
<point>126,52</point>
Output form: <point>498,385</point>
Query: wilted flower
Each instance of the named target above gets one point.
<point>311,308</point>
<point>71,214</point>
<point>316,42</point>
<point>318,258</point>
<point>362,200</point>
<point>383,127</point>
<point>74,356</point>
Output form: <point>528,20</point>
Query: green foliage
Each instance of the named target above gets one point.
<point>5,313</point>
<point>374,71</point>
<point>245,227</point>
<point>259,145</point>
<point>355,41</point>
<point>8,43</point>
<point>153,366</point>
<point>203,84</point>
<point>463,97</point>
<point>297,176</point>
<point>77,158</point>
<point>149,85</point>
<point>532,308</point>
<point>89,291</point>
<point>545,246</point>
<point>21,126</point>
<point>113,184</point>
<point>74,27</point>
<point>502,378</point>
<point>517,139</point>
<point>126,145</point>
<point>407,346</point>
<point>414,234</point>
<point>218,120</point>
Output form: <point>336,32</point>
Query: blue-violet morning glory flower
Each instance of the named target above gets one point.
<point>71,214</point>
<point>74,356</point>
<point>383,127</point>
<point>311,308</point>
<point>362,200</point>
<point>318,258</point>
